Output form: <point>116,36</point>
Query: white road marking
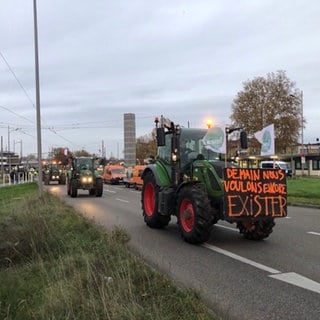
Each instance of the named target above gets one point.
<point>241,259</point>
<point>298,280</point>
<point>289,277</point>
<point>225,227</point>
<point>122,200</point>
<point>110,191</point>
<point>315,233</point>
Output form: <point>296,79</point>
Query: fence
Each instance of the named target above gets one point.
<point>17,178</point>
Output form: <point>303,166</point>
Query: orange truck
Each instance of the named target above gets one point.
<point>113,174</point>
<point>133,177</point>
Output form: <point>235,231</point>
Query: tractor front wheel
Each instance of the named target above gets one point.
<point>256,230</point>
<point>194,215</point>
<point>149,201</point>
<point>73,188</point>
<point>99,188</point>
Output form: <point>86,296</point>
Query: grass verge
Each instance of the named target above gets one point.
<point>305,191</point>
<point>54,264</point>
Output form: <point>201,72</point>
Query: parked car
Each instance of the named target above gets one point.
<point>271,164</point>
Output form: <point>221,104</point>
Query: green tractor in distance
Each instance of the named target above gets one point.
<point>83,175</point>
<point>54,172</point>
<point>187,180</point>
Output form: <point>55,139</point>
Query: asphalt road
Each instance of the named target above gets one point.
<point>278,278</point>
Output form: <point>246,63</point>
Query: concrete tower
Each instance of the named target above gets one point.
<point>129,123</point>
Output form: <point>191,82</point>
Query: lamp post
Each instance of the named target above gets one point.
<point>38,117</point>
<point>302,154</point>
<point>14,147</point>
<point>209,123</point>
<point>303,157</point>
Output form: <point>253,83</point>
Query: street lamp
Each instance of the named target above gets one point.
<point>209,123</point>
<point>302,154</point>
<point>36,57</point>
<point>303,157</point>
<point>14,147</point>
<point>11,130</point>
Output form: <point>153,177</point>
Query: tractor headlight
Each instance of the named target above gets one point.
<point>174,157</point>
<point>86,179</point>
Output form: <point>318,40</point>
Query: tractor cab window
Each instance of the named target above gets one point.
<point>84,164</point>
<point>164,152</point>
<point>192,146</point>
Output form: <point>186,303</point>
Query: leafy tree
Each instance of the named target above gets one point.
<point>271,100</point>
<point>146,146</point>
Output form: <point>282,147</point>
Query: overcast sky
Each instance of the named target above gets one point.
<point>186,60</point>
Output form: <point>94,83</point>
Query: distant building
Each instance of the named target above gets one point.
<point>129,123</point>
<point>8,160</point>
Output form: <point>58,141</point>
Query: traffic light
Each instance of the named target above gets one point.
<point>243,140</point>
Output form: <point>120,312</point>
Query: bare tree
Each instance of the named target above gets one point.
<point>146,147</point>
<point>271,100</point>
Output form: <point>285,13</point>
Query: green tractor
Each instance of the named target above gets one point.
<point>83,175</point>
<point>187,180</point>
<point>54,172</point>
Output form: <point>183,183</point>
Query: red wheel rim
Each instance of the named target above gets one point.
<point>149,199</point>
<point>187,215</point>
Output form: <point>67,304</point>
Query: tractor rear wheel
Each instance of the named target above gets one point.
<point>256,230</point>
<point>149,201</point>
<point>194,215</point>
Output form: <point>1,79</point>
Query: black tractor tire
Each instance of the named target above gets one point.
<point>73,188</point>
<point>149,201</point>
<point>99,188</point>
<point>69,187</point>
<point>194,215</point>
<point>92,192</point>
<point>256,230</point>
<point>62,180</point>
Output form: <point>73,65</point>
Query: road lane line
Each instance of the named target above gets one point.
<point>298,280</point>
<point>240,258</point>
<point>225,227</point>
<point>110,191</point>
<point>122,200</point>
<point>288,277</point>
<point>314,233</point>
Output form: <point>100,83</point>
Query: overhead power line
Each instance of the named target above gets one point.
<point>18,81</point>
<point>17,114</point>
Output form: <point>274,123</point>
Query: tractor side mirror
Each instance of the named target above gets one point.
<point>161,141</point>
<point>243,140</point>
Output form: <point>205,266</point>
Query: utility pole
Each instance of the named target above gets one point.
<point>38,117</point>
<point>303,156</point>
<point>2,158</point>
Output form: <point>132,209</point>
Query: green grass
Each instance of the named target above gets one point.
<point>304,191</point>
<point>55,264</point>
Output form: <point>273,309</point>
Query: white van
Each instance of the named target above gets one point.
<point>270,164</point>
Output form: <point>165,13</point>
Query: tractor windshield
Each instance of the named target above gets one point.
<point>193,145</point>
<point>84,164</point>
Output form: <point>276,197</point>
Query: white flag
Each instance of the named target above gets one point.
<point>215,139</point>
<point>266,138</point>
